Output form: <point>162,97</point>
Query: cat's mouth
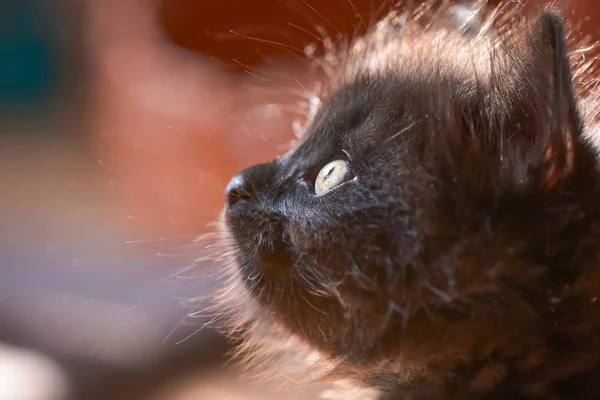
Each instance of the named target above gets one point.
<point>276,257</point>
<point>263,251</point>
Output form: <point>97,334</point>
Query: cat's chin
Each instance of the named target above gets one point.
<point>265,350</point>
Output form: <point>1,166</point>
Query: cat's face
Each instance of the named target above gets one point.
<point>416,223</point>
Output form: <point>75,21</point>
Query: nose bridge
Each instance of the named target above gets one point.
<point>257,177</point>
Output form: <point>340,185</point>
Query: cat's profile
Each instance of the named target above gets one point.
<point>435,231</point>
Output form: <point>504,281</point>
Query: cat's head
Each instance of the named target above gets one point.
<point>433,212</point>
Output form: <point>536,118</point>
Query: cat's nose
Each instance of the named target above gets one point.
<point>237,190</point>
<point>247,184</point>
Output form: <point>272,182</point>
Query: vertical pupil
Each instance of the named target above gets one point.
<point>331,169</point>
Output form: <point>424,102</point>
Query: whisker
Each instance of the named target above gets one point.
<point>146,240</point>
<point>179,324</point>
<point>310,304</point>
<point>357,14</point>
<point>215,319</point>
<point>267,41</point>
<point>317,37</point>
<point>403,130</point>
<point>324,19</point>
<point>177,273</point>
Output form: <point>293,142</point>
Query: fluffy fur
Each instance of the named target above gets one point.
<point>460,260</point>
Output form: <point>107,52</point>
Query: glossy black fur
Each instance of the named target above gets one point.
<point>462,260</point>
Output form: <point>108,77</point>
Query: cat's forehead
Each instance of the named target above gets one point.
<point>385,108</point>
<point>396,87</point>
<point>352,117</point>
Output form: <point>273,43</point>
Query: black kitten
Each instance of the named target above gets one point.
<point>435,231</point>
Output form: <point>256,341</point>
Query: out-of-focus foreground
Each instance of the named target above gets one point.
<point>121,121</point>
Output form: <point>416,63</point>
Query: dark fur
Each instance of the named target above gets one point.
<point>462,262</point>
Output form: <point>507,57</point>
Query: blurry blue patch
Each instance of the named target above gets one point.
<point>27,70</point>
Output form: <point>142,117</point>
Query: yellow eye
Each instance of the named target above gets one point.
<point>331,175</point>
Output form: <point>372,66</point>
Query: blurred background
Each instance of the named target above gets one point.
<point>121,121</point>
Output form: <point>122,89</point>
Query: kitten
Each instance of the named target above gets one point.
<point>435,231</point>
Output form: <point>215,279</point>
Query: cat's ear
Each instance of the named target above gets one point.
<point>558,125</point>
